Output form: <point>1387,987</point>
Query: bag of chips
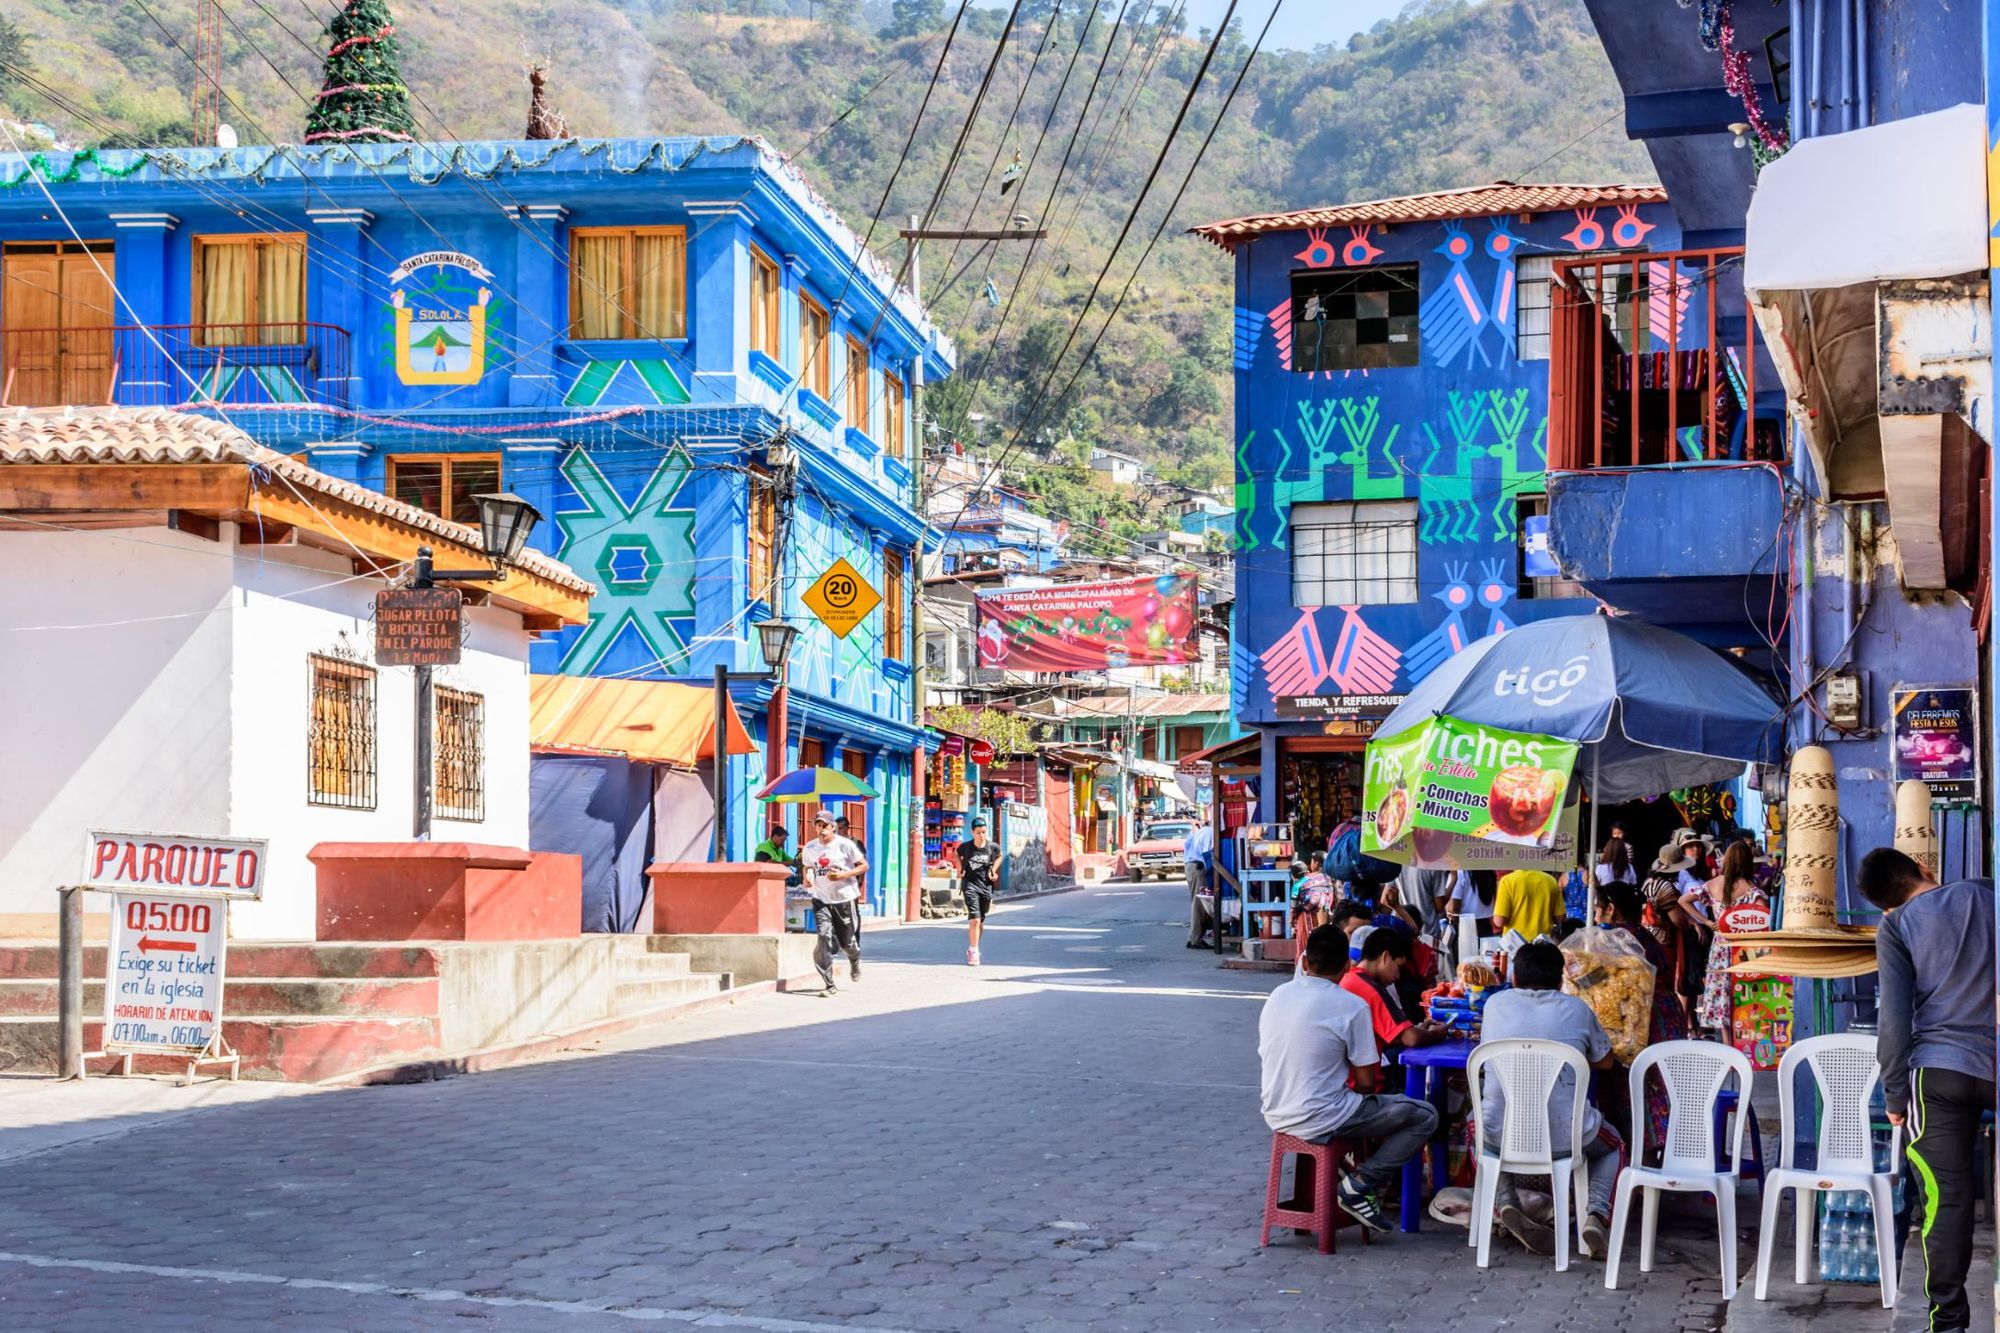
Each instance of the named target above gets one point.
<point>1608,971</point>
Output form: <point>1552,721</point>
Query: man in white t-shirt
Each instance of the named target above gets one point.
<point>1314,1039</point>
<point>833,868</point>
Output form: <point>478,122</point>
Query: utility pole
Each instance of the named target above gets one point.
<point>913,237</point>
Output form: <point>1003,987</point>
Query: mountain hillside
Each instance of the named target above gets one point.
<point>1452,92</point>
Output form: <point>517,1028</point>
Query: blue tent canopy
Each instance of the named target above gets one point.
<point>1654,710</point>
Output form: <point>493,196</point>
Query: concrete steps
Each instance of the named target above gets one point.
<point>650,979</point>
<point>305,1012</point>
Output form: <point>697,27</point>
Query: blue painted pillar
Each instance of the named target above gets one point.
<point>342,288</point>
<point>718,305</point>
<point>528,469</point>
<point>139,264</point>
<point>540,317</point>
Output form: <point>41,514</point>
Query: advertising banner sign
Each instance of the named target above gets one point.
<point>1343,706</point>
<point>1936,739</point>
<point>173,863</point>
<point>1090,626</point>
<point>1448,778</point>
<point>1428,849</point>
<point>163,994</point>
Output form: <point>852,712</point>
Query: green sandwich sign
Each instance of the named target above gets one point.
<point>1447,781</point>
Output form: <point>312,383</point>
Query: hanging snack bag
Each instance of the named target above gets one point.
<point>1608,971</point>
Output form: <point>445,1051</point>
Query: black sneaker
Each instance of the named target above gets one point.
<point>830,991</point>
<point>1360,1205</point>
<point>854,970</point>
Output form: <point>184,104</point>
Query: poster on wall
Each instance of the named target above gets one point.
<point>1090,626</point>
<point>1446,778</point>
<point>1936,739</point>
<point>439,299</point>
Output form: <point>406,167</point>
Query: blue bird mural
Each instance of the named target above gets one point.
<point>1453,314</point>
<point>1496,589</point>
<point>1430,652</point>
<point>1502,244</point>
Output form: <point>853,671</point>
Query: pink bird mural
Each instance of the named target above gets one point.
<point>1296,663</point>
<point>1363,661</point>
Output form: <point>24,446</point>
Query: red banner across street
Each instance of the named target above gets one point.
<point>1090,626</point>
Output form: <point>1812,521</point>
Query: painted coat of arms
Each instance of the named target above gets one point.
<point>440,306</point>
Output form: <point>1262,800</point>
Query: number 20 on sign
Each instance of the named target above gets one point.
<point>841,598</point>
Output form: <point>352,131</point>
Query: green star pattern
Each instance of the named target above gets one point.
<point>629,551</point>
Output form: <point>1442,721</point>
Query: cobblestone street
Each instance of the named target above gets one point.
<point>1066,1139</point>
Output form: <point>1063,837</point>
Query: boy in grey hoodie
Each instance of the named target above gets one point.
<point>1934,956</point>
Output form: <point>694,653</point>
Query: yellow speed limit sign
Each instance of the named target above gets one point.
<point>841,598</point>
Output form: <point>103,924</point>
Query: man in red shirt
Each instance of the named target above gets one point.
<point>1385,956</point>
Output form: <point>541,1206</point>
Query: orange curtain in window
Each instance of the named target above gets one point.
<point>658,260</point>
<point>228,275</point>
<point>597,286</point>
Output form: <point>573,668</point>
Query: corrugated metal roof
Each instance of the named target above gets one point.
<point>1470,202</point>
<point>157,435</point>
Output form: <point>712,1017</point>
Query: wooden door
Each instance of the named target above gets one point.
<point>58,312</point>
<point>87,317</point>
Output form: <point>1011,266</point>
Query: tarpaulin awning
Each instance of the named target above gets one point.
<point>1227,752</point>
<point>653,721</point>
<point>1904,199</point>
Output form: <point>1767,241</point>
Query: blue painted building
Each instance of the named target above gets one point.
<point>1846,174</point>
<point>1392,420</point>
<point>672,347</point>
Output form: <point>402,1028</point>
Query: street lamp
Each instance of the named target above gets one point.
<point>774,638</point>
<point>774,642</point>
<point>505,521</point>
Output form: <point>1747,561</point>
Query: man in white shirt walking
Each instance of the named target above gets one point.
<point>1312,1038</point>
<point>833,868</point>
<point>1196,855</point>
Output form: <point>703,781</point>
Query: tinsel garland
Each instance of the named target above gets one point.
<point>387,30</point>
<point>358,88</point>
<point>39,166</point>
<point>1718,34</point>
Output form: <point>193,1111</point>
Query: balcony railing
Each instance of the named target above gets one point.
<point>173,365</point>
<point>1653,359</point>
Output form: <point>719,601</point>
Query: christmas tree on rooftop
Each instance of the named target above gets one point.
<point>363,99</point>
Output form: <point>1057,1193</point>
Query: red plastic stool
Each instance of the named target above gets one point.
<point>1315,1187</point>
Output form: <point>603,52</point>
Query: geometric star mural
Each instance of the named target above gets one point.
<point>641,556</point>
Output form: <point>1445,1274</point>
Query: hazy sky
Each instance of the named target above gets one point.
<point>1301,25</point>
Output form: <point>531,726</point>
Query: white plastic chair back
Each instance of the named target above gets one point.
<point>1845,1070</point>
<point>1694,1072</point>
<point>1527,1070</point>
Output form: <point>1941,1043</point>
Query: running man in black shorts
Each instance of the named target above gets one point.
<point>978,861</point>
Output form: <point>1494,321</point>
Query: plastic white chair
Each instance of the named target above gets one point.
<point>1694,1072</point>
<point>1529,1070</point>
<point>1846,1072</point>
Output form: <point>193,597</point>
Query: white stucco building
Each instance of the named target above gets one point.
<point>186,646</point>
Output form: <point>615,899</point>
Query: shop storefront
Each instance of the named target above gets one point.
<point>1312,762</point>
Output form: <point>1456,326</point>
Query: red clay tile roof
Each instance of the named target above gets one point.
<point>1475,201</point>
<point>156,435</point>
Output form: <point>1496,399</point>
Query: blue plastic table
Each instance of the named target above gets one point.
<point>1423,1078</point>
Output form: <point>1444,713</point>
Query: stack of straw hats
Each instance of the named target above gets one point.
<point>1812,943</point>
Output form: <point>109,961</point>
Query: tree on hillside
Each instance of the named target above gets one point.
<point>363,99</point>
<point>840,13</point>
<point>913,18</point>
<point>14,58</point>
